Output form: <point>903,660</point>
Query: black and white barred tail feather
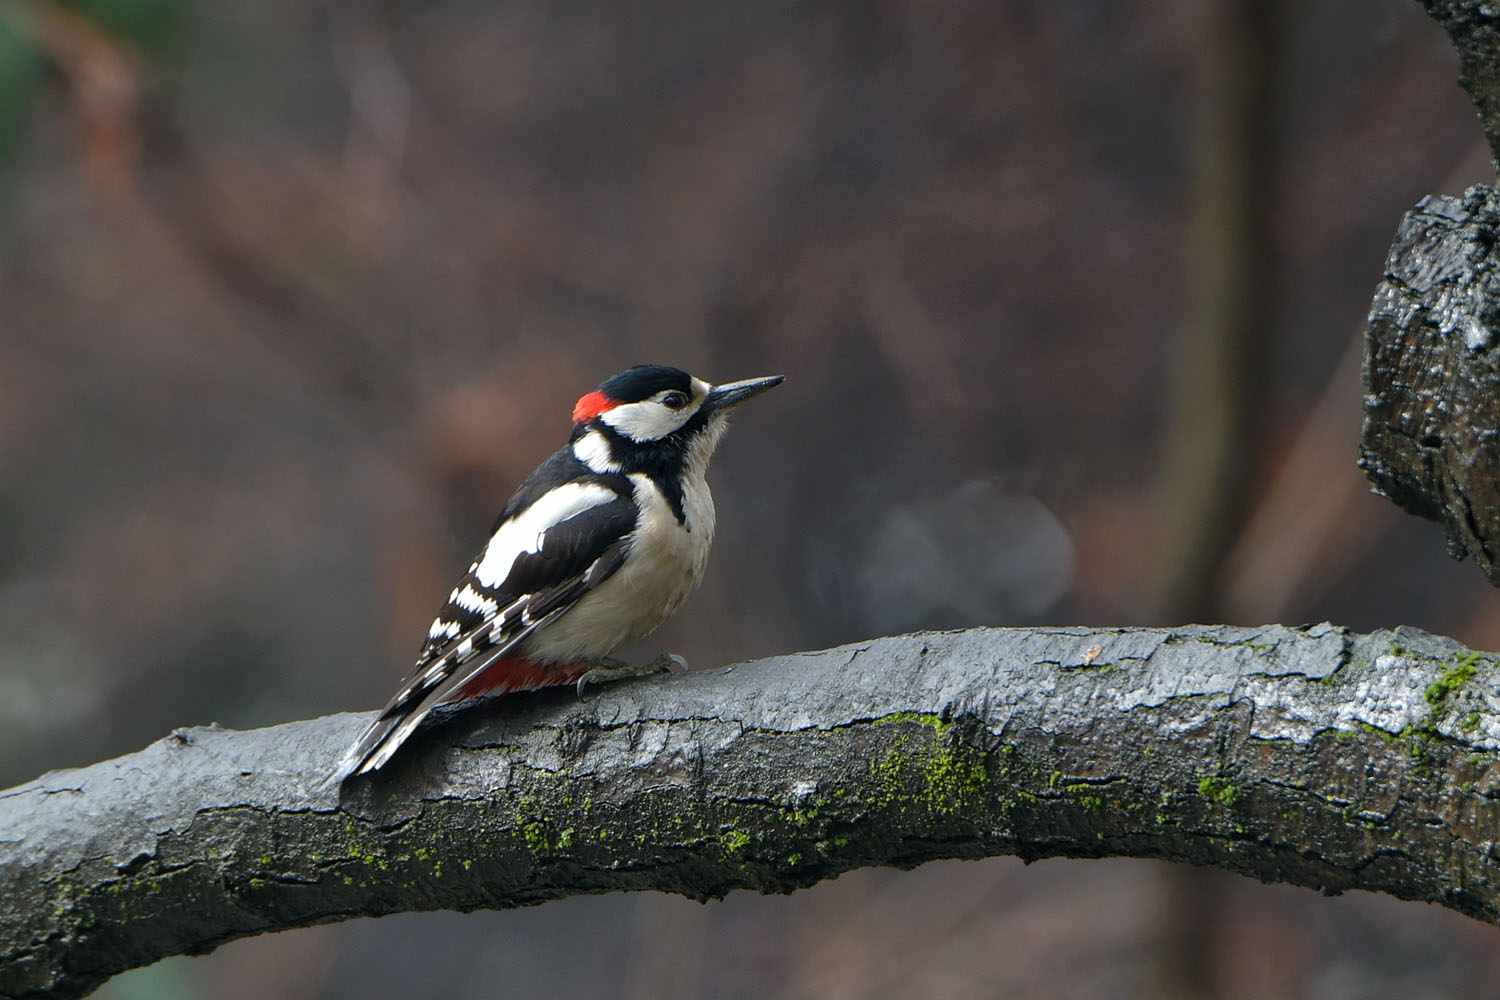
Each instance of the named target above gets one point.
<point>463,658</point>
<point>435,685</point>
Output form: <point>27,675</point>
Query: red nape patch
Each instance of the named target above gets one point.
<point>513,673</point>
<point>590,406</point>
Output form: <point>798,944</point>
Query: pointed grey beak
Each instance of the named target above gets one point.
<point>722,397</point>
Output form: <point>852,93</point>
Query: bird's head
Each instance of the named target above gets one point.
<point>659,404</point>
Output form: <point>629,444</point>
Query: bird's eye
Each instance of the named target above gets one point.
<point>674,401</point>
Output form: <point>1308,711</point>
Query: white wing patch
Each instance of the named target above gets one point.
<point>522,534</point>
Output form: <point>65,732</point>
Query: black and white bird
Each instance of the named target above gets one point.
<point>599,546</point>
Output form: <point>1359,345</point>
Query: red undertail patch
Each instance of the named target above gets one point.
<point>518,674</point>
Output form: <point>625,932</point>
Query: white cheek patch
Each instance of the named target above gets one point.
<point>649,420</point>
<point>643,421</point>
<point>523,534</point>
<point>592,450</point>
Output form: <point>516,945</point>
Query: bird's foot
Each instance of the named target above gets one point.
<point>608,669</point>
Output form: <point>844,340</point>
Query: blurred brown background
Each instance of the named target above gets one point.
<point>293,292</point>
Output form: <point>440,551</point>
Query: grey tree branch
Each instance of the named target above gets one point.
<point>1309,756</point>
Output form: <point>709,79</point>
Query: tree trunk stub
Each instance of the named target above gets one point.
<point>1432,361</point>
<point>1432,373</point>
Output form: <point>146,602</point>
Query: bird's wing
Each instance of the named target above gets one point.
<point>516,586</point>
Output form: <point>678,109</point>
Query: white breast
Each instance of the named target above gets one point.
<point>665,562</point>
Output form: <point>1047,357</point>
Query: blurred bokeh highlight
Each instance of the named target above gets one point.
<point>1068,296</point>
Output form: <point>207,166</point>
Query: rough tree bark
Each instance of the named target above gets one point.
<point>1432,352</point>
<point>1432,373</point>
<point>1473,26</point>
<point>1310,756</point>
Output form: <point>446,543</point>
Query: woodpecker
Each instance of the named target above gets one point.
<point>599,546</point>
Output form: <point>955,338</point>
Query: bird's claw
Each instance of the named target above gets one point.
<point>618,670</point>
